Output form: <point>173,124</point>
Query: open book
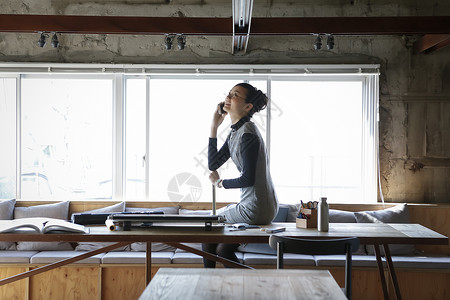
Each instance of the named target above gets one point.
<point>41,225</point>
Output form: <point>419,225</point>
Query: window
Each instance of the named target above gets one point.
<point>66,130</point>
<point>136,99</point>
<point>8,137</point>
<point>178,137</point>
<point>316,140</point>
<point>144,136</point>
<point>180,118</point>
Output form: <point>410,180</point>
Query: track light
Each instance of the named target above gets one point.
<point>170,37</point>
<point>41,41</point>
<point>55,42</point>
<point>181,39</point>
<point>318,42</point>
<point>330,42</point>
<point>168,41</point>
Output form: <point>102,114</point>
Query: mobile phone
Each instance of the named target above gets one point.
<point>275,230</point>
<point>222,104</point>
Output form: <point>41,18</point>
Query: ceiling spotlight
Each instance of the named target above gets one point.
<point>41,41</point>
<point>330,42</point>
<point>181,39</point>
<point>318,42</point>
<point>168,41</point>
<point>55,42</point>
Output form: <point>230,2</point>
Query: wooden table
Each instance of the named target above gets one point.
<point>201,284</point>
<point>378,234</point>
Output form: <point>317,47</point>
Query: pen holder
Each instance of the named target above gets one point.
<point>307,223</point>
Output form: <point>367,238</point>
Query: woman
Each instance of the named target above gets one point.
<point>244,145</point>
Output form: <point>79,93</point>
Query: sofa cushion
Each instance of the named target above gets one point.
<point>396,214</point>
<point>88,246</point>
<point>292,213</point>
<point>291,259</point>
<point>115,208</point>
<point>191,258</point>
<point>282,214</point>
<point>7,213</point>
<point>240,256</point>
<point>16,257</point>
<point>156,247</point>
<point>422,261</point>
<point>199,212</point>
<point>339,260</point>
<point>58,210</point>
<point>288,259</point>
<point>137,257</point>
<point>259,259</point>
<point>341,216</point>
<point>168,210</point>
<point>48,257</point>
<point>197,246</point>
<point>7,209</point>
<point>186,258</point>
<point>257,248</point>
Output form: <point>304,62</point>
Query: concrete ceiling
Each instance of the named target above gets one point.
<point>241,19</point>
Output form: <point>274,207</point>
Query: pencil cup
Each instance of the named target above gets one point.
<point>311,218</point>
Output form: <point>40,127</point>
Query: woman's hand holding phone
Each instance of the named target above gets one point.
<point>221,105</point>
<point>219,116</point>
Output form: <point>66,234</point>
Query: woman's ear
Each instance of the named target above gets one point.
<point>248,107</point>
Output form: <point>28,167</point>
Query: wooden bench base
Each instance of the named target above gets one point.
<point>128,282</point>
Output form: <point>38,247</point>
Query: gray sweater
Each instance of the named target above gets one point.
<point>258,201</point>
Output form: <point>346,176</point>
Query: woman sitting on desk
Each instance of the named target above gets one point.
<point>258,202</point>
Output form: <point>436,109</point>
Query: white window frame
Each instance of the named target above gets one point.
<point>117,123</point>
<point>370,117</point>
<point>369,74</point>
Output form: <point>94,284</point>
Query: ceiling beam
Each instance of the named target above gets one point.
<point>224,26</point>
<point>351,25</point>
<point>431,42</point>
<point>115,25</point>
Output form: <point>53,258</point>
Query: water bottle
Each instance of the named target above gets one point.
<point>323,213</point>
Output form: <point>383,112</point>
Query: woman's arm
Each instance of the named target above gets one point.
<point>250,150</point>
<point>217,120</point>
<point>217,158</point>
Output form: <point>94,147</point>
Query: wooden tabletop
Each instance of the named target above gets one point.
<point>191,284</point>
<point>368,233</point>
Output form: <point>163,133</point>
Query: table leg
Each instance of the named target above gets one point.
<point>61,263</point>
<point>392,271</point>
<point>227,262</point>
<point>148,263</point>
<point>381,271</point>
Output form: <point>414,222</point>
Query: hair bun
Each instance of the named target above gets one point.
<point>260,101</point>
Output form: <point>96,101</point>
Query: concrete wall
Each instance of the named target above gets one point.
<point>414,88</point>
